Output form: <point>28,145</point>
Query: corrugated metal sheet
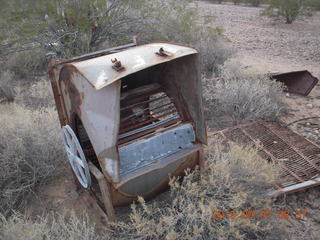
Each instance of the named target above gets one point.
<point>101,71</point>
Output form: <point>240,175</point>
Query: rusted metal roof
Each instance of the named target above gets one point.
<point>104,70</point>
<point>299,82</point>
<point>297,157</point>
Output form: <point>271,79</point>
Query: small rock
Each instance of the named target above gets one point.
<point>287,94</point>
<point>309,105</point>
<point>316,131</point>
<point>308,124</point>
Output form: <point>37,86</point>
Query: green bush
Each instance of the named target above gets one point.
<point>288,10</point>
<point>216,1</point>
<point>236,2</point>
<point>254,3</point>
<point>315,4</point>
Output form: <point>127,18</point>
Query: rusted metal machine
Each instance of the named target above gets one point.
<point>131,116</point>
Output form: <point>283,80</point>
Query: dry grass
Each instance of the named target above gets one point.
<point>26,63</point>
<point>30,152</point>
<point>237,179</point>
<point>62,227</point>
<point>37,95</point>
<point>241,96</point>
<point>7,92</point>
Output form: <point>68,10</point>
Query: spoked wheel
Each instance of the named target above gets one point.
<point>76,156</point>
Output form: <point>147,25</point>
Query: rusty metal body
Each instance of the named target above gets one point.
<point>299,82</point>
<point>137,114</point>
<point>297,158</point>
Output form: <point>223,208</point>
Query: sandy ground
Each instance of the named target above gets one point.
<point>265,47</point>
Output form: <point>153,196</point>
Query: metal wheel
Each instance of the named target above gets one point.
<point>76,156</point>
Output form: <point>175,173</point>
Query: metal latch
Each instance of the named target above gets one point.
<point>117,65</point>
<point>163,53</point>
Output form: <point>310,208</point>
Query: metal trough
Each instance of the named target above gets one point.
<point>299,82</point>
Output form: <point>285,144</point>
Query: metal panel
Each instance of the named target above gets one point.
<point>149,150</point>
<point>100,72</point>
<point>135,184</point>
<point>182,80</point>
<point>99,114</point>
<point>300,82</point>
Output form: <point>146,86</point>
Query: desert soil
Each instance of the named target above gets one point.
<point>264,46</point>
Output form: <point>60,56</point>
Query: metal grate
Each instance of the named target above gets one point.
<point>142,114</point>
<point>297,157</point>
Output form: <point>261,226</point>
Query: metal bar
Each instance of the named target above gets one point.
<point>137,99</point>
<point>137,135</point>
<point>143,90</point>
<point>122,130</point>
<point>105,191</point>
<point>153,125</point>
<point>295,188</point>
<point>144,102</point>
<point>143,111</point>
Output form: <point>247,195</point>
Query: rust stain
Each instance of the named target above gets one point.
<point>72,93</point>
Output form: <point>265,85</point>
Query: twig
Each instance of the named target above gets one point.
<point>302,119</point>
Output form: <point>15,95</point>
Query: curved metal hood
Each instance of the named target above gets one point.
<point>101,71</point>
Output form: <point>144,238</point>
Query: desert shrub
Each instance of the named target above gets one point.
<point>241,96</point>
<point>67,28</point>
<point>237,179</point>
<point>64,227</point>
<point>26,63</point>
<point>92,25</point>
<point>213,53</point>
<point>315,4</point>
<point>7,92</point>
<point>236,2</point>
<point>30,152</point>
<point>179,21</point>
<point>37,95</point>
<point>254,3</point>
<point>216,1</point>
<point>288,10</point>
